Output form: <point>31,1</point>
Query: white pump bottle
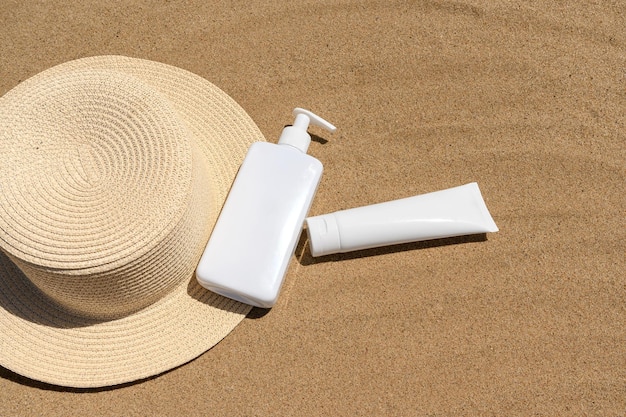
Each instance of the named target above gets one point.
<point>256,233</point>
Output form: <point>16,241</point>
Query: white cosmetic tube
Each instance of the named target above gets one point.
<point>456,211</point>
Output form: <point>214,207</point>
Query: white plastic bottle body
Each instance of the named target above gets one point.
<point>453,212</point>
<point>260,223</point>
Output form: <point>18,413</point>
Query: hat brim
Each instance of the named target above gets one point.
<point>41,341</point>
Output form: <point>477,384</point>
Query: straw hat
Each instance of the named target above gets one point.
<point>112,173</point>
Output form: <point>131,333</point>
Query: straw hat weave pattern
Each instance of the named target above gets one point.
<point>112,173</point>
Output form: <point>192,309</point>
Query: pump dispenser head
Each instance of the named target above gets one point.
<point>297,135</point>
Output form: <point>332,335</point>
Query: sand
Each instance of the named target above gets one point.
<point>526,98</point>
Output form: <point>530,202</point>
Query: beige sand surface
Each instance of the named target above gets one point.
<point>528,98</point>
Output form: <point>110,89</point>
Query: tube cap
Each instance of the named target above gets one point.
<point>323,235</point>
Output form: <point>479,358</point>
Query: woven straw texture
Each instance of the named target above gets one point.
<point>112,173</point>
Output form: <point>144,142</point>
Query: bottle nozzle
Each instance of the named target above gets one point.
<point>304,117</point>
<point>296,135</point>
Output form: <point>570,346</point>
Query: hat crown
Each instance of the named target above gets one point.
<point>105,198</point>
